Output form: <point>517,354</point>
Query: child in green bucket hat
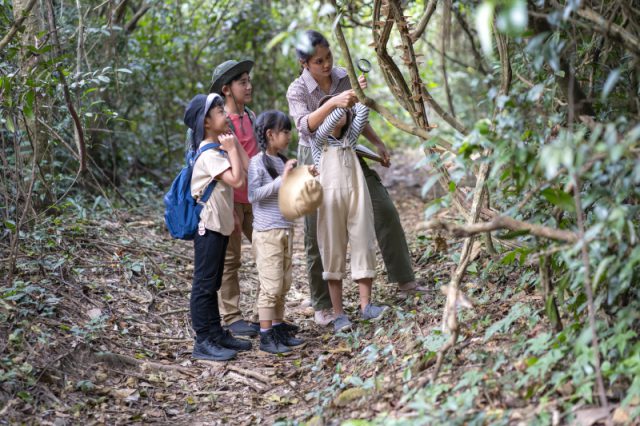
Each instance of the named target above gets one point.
<point>231,79</point>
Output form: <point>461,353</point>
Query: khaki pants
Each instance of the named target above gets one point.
<point>345,217</point>
<point>273,249</point>
<point>229,293</point>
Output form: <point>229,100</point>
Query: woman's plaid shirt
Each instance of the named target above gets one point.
<point>304,95</point>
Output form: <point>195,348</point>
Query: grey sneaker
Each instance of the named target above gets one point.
<point>324,317</point>
<point>341,323</point>
<point>373,312</point>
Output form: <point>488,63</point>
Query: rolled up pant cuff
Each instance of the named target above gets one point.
<point>230,319</point>
<point>332,276</point>
<point>359,275</point>
<point>267,314</point>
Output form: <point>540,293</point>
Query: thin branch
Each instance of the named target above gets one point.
<point>79,134</point>
<point>213,29</point>
<point>390,71</point>
<point>388,115</point>
<point>444,37</point>
<point>589,291</point>
<point>437,108</point>
<point>80,47</point>
<point>119,11</point>
<point>502,222</point>
<point>628,39</point>
<point>19,223</point>
<point>452,59</point>
<point>17,24</point>
<point>450,314</point>
<point>409,58</point>
<point>133,22</point>
<point>474,49</point>
<point>424,21</point>
<point>505,64</point>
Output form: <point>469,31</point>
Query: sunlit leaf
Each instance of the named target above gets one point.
<point>612,79</point>
<point>279,38</point>
<point>484,24</point>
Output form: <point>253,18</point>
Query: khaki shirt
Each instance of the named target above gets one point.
<point>217,214</point>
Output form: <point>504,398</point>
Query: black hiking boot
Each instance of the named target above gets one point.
<point>211,351</point>
<point>270,343</point>
<point>290,327</point>
<point>287,338</point>
<point>226,340</point>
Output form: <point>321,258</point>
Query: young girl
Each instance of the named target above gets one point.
<point>206,118</point>
<point>272,233</point>
<point>346,213</point>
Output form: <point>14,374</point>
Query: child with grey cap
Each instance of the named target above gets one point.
<point>219,160</point>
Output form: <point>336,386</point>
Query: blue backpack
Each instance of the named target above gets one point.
<point>182,212</point>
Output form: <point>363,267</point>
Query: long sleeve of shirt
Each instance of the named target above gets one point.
<point>263,194</point>
<point>297,96</point>
<point>361,118</point>
<point>259,186</point>
<point>327,126</point>
<point>324,133</point>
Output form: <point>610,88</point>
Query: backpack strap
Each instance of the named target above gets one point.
<point>252,115</point>
<point>252,120</point>
<point>209,189</point>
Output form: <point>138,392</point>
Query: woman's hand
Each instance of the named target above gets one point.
<point>346,99</point>
<point>312,169</point>
<point>288,166</point>
<point>362,80</point>
<point>227,141</point>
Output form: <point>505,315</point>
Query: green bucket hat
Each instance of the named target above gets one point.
<point>226,71</point>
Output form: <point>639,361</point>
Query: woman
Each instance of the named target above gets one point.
<point>318,79</point>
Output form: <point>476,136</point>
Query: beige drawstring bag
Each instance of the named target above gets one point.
<point>300,193</point>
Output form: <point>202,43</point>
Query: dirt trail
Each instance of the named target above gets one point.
<point>118,345</point>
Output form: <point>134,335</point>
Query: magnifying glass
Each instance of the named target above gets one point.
<point>364,65</point>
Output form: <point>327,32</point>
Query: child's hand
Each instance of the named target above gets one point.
<point>362,80</point>
<point>386,157</point>
<point>345,99</point>
<point>288,166</point>
<point>227,141</point>
<point>313,170</point>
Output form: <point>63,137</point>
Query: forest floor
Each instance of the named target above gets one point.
<point>98,332</point>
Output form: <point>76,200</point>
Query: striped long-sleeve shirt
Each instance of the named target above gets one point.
<point>263,194</point>
<point>323,134</point>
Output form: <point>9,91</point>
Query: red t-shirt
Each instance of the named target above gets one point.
<point>244,133</point>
